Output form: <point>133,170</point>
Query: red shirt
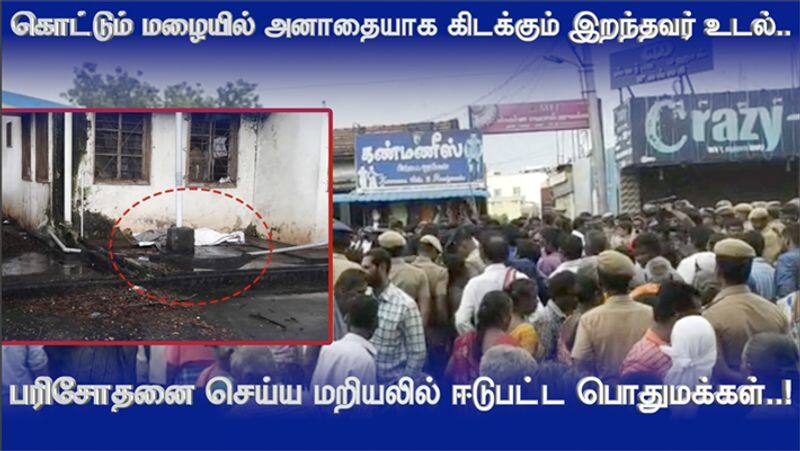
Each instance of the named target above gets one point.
<point>646,357</point>
<point>463,367</point>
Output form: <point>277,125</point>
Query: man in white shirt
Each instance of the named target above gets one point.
<point>496,276</point>
<point>571,248</point>
<point>702,260</point>
<point>353,355</point>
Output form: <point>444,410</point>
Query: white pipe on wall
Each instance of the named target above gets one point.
<point>179,169</point>
<point>284,250</point>
<point>322,201</point>
<point>62,246</point>
<point>83,199</point>
<point>67,168</point>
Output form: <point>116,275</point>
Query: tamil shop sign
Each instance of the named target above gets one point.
<point>530,116</point>
<point>725,126</point>
<point>387,161</point>
<point>659,61</point>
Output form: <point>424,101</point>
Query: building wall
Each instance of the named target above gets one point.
<point>199,209</point>
<point>277,173</point>
<point>566,204</point>
<point>582,185</point>
<point>511,207</point>
<point>561,184</point>
<point>508,202</point>
<point>28,202</point>
<point>291,187</point>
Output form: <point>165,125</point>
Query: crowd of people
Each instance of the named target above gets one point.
<point>670,295</point>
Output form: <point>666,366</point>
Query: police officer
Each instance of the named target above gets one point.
<point>408,278</point>
<point>736,313</point>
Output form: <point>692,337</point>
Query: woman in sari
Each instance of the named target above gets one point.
<point>494,317</point>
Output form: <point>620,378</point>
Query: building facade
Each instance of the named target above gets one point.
<point>741,146</point>
<point>65,168</point>
<point>513,195</point>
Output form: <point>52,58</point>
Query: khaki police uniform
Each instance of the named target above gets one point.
<point>607,333</point>
<point>736,313</point>
<point>410,279</point>
<point>437,276</point>
<point>772,241</point>
<point>342,264</point>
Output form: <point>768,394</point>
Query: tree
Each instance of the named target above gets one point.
<point>117,89</point>
<point>239,94</point>
<point>183,95</point>
<point>121,89</point>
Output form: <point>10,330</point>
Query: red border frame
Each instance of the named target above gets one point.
<point>327,111</point>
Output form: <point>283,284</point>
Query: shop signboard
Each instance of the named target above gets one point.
<point>419,160</point>
<point>530,116</point>
<point>659,60</point>
<point>714,127</point>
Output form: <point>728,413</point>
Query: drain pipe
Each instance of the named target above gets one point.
<point>83,199</point>
<point>64,248</point>
<point>284,250</point>
<point>179,169</point>
<point>67,168</point>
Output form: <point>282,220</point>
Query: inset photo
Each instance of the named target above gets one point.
<point>148,225</point>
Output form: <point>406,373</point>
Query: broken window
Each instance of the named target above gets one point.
<point>26,146</point>
<point>42,147</point>
<point>121,147</point>
<point>9,141</point>
<point>213,148</point>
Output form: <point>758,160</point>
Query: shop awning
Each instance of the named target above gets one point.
<point>394,196</point>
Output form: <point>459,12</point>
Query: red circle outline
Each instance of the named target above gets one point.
<point>187,303</point>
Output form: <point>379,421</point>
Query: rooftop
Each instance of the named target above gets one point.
<point>16,100</point>
<point>344,138</point>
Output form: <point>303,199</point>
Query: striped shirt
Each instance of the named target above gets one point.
<point>399,339</point>
<point>646,357</point>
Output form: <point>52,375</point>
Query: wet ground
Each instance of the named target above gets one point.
<point>214,258</point>
<point>105,314</point>
<point>27,258</point>
<point>102,309</point>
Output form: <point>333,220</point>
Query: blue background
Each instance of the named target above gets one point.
<point>443,426</point>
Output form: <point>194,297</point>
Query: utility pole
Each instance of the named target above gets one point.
<point>595,129</point>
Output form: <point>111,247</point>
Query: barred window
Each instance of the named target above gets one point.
<point>42,147</point>
<point>213,148</point>
<point>121,147</point>
<point>9,139</point>
<point>25,144</point>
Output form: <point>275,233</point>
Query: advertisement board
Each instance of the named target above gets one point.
<point>713,127</point>
<point>530,116</point>
<point>438,159</point>
<point>659,61</point>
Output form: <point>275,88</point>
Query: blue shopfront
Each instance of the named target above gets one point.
<point>415,176</point>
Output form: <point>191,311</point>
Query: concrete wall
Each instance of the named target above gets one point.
<point>582,185</point>
<point>199,209</point>
<point>277,172</point>
<point>292,168</point>
<point>502,197</point>
<point>28,202</point>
